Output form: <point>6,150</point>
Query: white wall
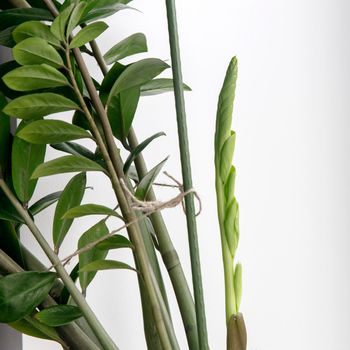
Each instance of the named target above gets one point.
<point>291,118</point>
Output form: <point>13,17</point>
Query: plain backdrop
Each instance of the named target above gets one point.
<point>292,157</point>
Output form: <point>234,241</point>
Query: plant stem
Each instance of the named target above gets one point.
<point>96,326</point>
<point>166,247</point>
<point>186,174</point>
<point>171,259</point>
<point>128,214</point>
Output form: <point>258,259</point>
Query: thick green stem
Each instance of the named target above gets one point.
<point>166,247</point>
<point>128,214</point>
<point>170,259</point>
<point>96,326</point>
<point>186,174</point>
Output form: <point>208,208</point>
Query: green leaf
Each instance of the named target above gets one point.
<point>4,134</point>
<point>138,149</point>
<point>7,211</point>
<point>58,315</point>
<point>34,77</point>
<point>115,242</point>
<point>35,29</point>
<point>71,197</point>
<point>14,17</point>
<point>105,265</point>
<point>230,224</point>
<point>75,17</point>
<point>36,51</point>
<point>21,292</point>
<point>25,158</point>
<point>65,294</point>
<point>138,74</point>
<point>51,131</point>
<point>147,181</point>
<point>75,149</point>
<point>97,9</point>
<point>229,187</point>
<point>238,285</point>
<point>44,202</point>
<point>97,231</point>
<point>89,209</point>
<point>121,112</point>
<point>131,45</point>
<point>226,156</point>
<point>9,241</point>
<point>58,27</point>
<point>87,34</point>
<point>111,77</point>
<point>6,38</point>
<point>66,164</point>
<point>225,107</point>
<point>25,327</point>
<point>160,86</point>
<point>35,106</point>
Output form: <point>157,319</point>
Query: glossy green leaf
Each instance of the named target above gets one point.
<point>111,77</point>
<point>225,106</point>
<point>89,209</point>
<point>4,134</point>
<point>75,17</point>
<point>131,45</point>
<point>97,9</point>
<point>121,111</point>
<point>36,51</point>
<point>115,242</point>
<point>9,242</point>
<point>35,29</point>
<point>14,17</point>
<point>25,158</point>
<point>226,156</point>
<point>7,211</point>
<point>75,149</point>
<point>25,327</point>
<point>97,231</point>
<point>138,149</point>
<point>159,86</point>
<point>88,33</point>
<point>98,265</point>
<point>238,284</point>
<point>51,131</point>
<point>35,106</point>
<point>71,196</point>
<point>58,27</point>
<point>44,202</point>
<point>21,292</point>
<point>58,315</point>
<point>34,77</point>
<point>147,181</point>
<point>138,74</point>
<point>66,164</point>
<point>6,38</point>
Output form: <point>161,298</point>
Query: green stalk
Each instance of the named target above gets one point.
<point>96,326</point>
<point>128,214</point>
<point>171,259</point>
<point>186,174</point>
<point>166,247</point>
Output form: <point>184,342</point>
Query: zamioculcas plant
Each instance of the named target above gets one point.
<point>228,214</point>
<point>48,74</point>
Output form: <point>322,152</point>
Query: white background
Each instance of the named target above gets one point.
<point>291,118</point>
